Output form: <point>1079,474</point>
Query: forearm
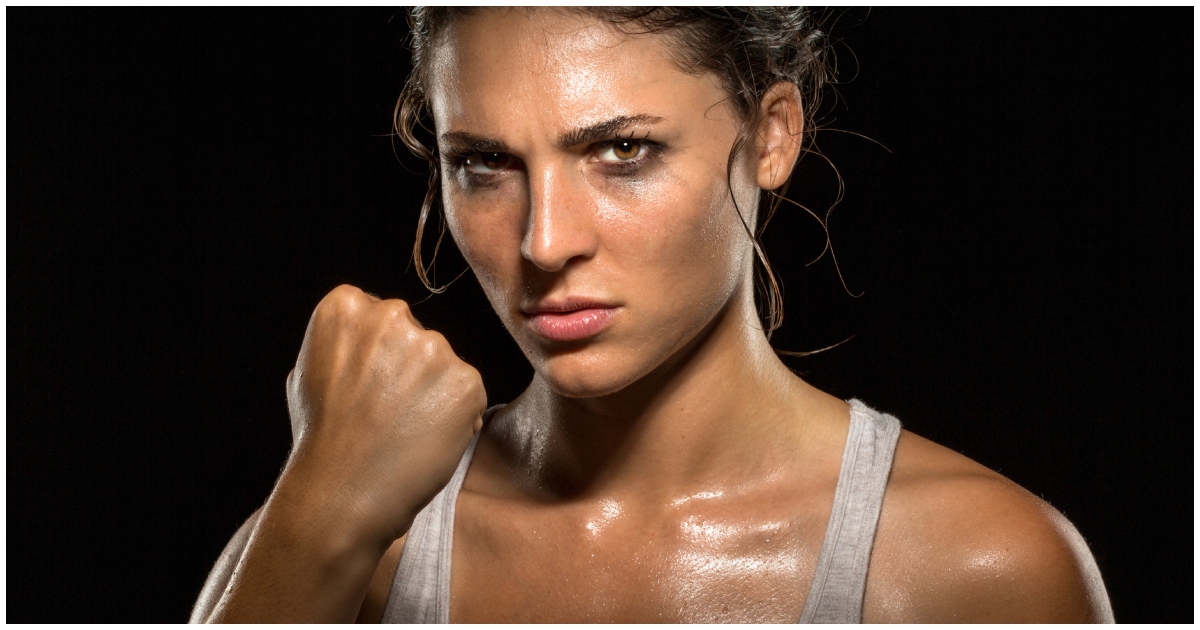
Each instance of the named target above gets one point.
<point>382,410</point>
<point>307,560</point>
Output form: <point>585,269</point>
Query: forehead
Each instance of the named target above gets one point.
<point>555,69</point>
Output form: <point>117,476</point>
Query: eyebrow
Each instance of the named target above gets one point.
<point>466,142</point>
<point>604,130</point>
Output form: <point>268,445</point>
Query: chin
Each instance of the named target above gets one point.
<point>584,374</point>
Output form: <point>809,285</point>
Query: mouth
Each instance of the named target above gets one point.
<point>573,319</point>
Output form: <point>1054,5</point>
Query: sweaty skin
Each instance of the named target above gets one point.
<point>666,467</point>
<point>381,411</point>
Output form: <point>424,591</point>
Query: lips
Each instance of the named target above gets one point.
<point>573,319</point>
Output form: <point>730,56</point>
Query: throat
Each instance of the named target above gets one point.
<point>713,419</point>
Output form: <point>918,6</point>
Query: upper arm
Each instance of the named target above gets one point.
<point>222,571</point>
<point>960,543</point>
<point>1072,577</point>
<point>1030,566</point>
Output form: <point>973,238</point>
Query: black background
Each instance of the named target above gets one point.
<point>184,186</point>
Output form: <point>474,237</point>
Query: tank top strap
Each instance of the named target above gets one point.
<point>421,588</point>
<point>836,595</point>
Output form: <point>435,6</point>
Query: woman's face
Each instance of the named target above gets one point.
<point>584,179</point>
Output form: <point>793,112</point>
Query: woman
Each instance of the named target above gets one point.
<point>601,171</point>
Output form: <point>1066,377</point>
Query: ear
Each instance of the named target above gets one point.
<point>780,130</point>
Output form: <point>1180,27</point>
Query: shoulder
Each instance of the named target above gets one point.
<point>959,542</point>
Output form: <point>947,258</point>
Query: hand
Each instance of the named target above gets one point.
<point>381,409</point>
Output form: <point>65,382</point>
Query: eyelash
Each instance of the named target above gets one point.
<point>650,150</point>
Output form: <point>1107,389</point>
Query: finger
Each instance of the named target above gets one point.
<point>413,316</point>
<point>398,307</point>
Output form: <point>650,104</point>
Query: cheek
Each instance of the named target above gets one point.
<point>684,231</point>
<point>674,235</point>
<point>485,229</point>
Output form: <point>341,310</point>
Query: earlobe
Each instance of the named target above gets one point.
<point>780,131</point>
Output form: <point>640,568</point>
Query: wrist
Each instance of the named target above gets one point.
<point>328,520</point>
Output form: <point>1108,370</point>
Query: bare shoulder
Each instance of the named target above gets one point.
<point>959,542</point>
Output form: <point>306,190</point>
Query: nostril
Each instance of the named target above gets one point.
<point>542,249</point>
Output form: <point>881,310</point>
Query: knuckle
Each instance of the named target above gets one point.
<point>397,311</point>
<point>343,299</point>
<point>436,340</point>
<point>345,293</point>
<point>469,382</point>
<point>399,306</point>
<point>472,376</point>
<point>430,345</point>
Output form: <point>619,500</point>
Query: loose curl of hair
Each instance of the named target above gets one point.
<point>749,48</point>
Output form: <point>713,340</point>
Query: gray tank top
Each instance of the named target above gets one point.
<point>421,589</point>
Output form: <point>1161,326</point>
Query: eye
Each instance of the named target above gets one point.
<point>622,150</point>
<point>488,162</point>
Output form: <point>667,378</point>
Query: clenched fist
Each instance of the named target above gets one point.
<point>381,409</point>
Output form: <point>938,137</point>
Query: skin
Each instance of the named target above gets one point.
<point>669,468</point>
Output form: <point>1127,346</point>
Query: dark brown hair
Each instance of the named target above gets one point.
<point>749,48</point>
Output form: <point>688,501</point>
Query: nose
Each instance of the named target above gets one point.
<point>560,227</point>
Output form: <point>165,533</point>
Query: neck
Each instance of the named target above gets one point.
<point>708,417</point>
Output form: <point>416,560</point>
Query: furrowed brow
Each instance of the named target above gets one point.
<point>604,130</point>
<point>463,142</point>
